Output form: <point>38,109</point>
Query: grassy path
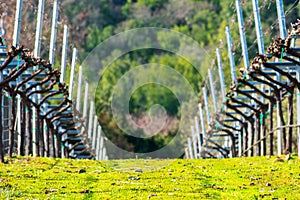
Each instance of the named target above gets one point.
<point>239,178</point>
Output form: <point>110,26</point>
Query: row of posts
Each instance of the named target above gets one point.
<point>95,137</point>
<point>197,142</point>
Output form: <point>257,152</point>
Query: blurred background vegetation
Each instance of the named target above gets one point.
<point>93,21</point>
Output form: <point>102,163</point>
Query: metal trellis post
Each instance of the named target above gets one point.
<point>104,153</point>
<point>212,89</point>
<point>98,143</point>
<point>230,54</point>
<point>221,74</point>
<point>281,18</point>
<point>85,103</point>
<point>53,32</point>
<point>94,133</point>
<point>259,35</point>
<point>64,54</point>
<point>261,51</point>
<point>16,40</point>
<point>198,135</point>
<point>39,28</point>
<point>201,115</point>
<point>190,148</point>
<point>73,65</point>
<point>90,128</point>
<point>101,156</point>
<point>79,88</point>
<point>206,105</point>
<point>194,141</point>
<point>17,25</point>
<point>242,34</point>
<point>283,34</point>
<point>186,153</point>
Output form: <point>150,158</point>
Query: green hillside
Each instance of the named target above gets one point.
<point>238,178</point>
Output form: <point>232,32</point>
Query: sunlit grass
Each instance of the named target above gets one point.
<point>239,178</point>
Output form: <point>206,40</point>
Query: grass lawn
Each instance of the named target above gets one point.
<point>238,178</point>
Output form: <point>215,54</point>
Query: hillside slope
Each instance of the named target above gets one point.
<point>239,178</point>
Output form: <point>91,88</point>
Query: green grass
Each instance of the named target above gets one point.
<point>239,178</point>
